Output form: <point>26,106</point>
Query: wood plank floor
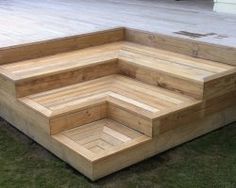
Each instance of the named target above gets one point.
<point>25,21</point>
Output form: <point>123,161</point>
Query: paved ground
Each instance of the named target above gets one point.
<point>208,161</point>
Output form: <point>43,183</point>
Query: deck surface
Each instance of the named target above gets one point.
<point>26,21</point>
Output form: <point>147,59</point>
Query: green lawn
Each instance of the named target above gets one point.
<point>209,161</point>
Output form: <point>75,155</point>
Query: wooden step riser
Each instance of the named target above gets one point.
<point>97,112</point>
<point>14,106</point>
<point>129,119</point>
<point>192,113</point>
<point>36,85</point>
<point>161,79</point>
<point>78,118</point>
<point>90,114</point>
<point>7,85</point>
<point>220,84</point>
<point>178,118</point>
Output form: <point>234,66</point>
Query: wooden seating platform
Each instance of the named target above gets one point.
<point>110,104</point>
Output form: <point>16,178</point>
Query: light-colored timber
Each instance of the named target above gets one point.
<point>106,100</point>
<point>164,68</point>
<point>125,100</point>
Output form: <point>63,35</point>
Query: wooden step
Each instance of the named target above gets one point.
<point>102,137</point>
<point>191,76</point>
<point>99,142</point>
<point>120,98</point>
<point>41,74</point>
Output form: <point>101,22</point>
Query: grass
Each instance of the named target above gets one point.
<point>209,161</point>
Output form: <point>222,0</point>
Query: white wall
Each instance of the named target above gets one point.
<point>227,6</point>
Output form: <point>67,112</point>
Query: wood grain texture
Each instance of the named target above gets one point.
<point>163,142</point>
<point>127,101</point>
<point>95,168</point>
<point>105,107</point>
<point>103,136</point>
<point>153,66</point>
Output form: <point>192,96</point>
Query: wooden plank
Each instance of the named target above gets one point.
<point>36,85</point>
<point>220,84</point>
<point>116,134</point>
<point>177,69</point>
<point>178,58</point>
<point>133,121</point>
<point>137,104</point>
<point>78,118</point>
<point>161,79</point>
